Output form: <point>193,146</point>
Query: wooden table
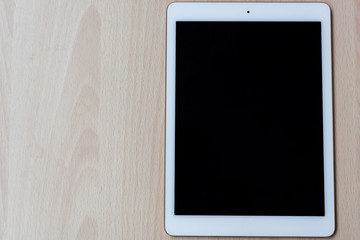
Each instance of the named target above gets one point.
<point>82,107</point>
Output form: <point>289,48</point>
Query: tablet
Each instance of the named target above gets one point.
<point>249,132</point>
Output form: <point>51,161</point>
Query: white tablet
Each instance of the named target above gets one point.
<point>249,132</point>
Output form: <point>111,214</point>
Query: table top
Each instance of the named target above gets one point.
<point>82,119</point>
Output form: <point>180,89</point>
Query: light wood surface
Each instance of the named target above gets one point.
<point>82,108</point>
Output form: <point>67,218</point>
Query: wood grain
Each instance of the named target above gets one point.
<point>82,108</point>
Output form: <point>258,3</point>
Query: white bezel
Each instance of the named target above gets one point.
<point>249,225</point>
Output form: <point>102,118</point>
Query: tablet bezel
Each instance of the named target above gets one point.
<point>180,225</point>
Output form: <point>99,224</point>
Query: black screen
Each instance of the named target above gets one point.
<point>249,129</point>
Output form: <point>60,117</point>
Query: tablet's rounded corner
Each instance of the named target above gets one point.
<point>170,6</point>
<point>325,7</point>
<point>329,231</point>
<point>168,230</point>
<point>332,231</point>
